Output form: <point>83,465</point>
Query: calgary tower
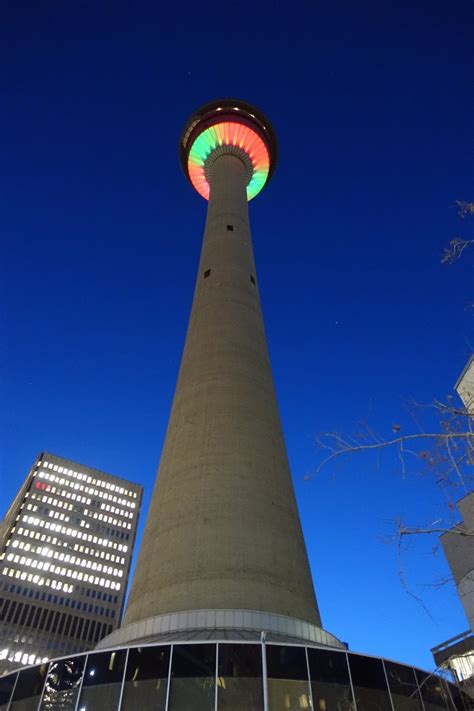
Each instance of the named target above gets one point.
<point>223,530</point>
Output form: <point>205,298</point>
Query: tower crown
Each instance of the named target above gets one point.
<point>228,126</point>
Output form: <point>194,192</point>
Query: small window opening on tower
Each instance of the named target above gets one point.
<point>207,273</point>
<point>252,279</point>
<point>230,228</point>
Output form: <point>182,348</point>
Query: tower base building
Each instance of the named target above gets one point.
<point>197,672</point>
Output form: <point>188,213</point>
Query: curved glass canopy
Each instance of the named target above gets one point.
<point>227,676</point>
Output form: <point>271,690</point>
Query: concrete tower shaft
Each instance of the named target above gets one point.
<point>223,529</point>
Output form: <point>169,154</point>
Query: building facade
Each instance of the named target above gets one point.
<point>457,653</point>
<point>465,386</point>
<point>66,544</point>
<point>458,546</point>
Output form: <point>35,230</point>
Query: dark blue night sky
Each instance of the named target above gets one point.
<point>372,104</point>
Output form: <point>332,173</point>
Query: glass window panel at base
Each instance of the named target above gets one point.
<point>369,683</point>
<point>28,689</point>
<point>6,688</point>
<point>102,681</point>
<point>193,672</point>
<point>287,673</point>
<point>461,701</point>
<point>330,684</point>
<point>62,684</point>
<point>403,687</point>
<point>433,692</point>
<point>239,677</point>
<point>146,679</point>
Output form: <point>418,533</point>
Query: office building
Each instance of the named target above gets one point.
<point>65,551</point>
<point>465,386</point>
<point>457,653</point>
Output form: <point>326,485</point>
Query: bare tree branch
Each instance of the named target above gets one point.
<point>465,208</point>
<point>455,249</point>
<point>417,531</point>
<point>457,245</point>
<point>447,454</point>
<point>339,446</point>
<point>445,449</point>
<point>404,583</point>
